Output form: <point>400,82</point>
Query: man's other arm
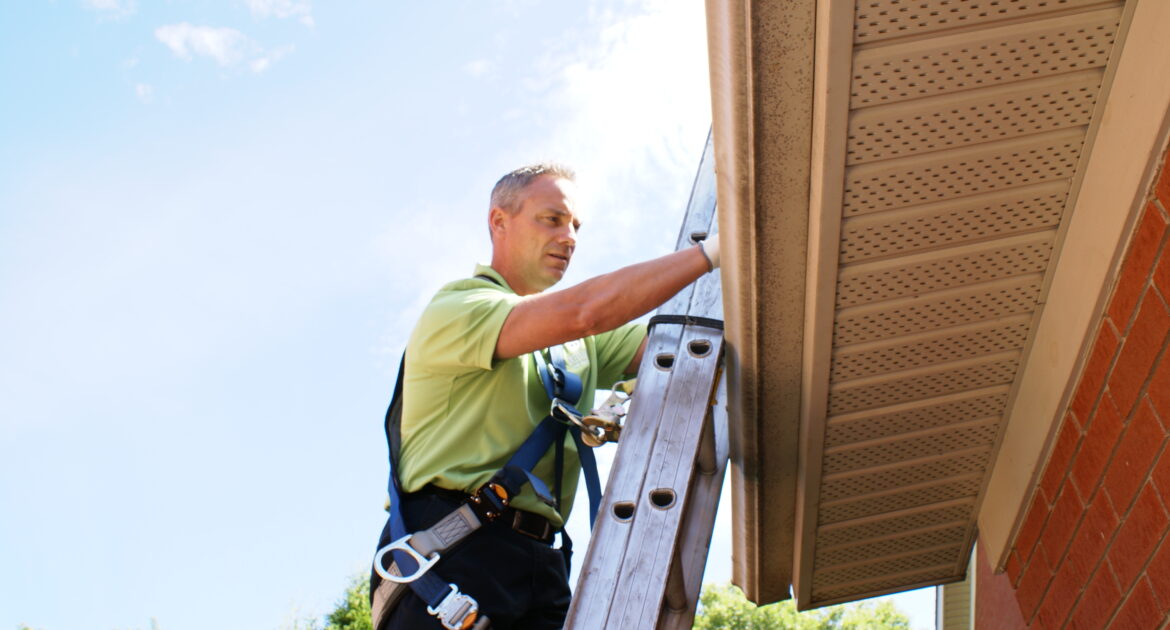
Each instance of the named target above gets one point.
<point>598,304</point>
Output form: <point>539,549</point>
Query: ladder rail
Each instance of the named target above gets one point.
<point>645,561</point>
<point>699,520</point>
<point>657,523</point>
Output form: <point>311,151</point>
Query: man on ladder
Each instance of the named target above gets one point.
<point>485,438</point>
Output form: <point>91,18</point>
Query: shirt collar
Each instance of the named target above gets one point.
<point>485,270</point>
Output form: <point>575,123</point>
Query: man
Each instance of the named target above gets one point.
<point>472,393</point>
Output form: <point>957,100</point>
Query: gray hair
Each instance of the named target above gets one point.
<point>506,193</point>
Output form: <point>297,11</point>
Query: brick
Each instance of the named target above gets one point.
<point>1159,390</point>
<point>1066,515</point>
<point>1135,271</point>
<point>1140,609</point>
<point>1138,352</point>
<point>1057,604</point>
<point>1033,584</point>
<point>1095,371</point>
<point>1031,527</point>
<point>1098,603</point>
<point>1092,537</point>
<point>1012,568</point>
<point>1096,447</point>
<point>1162,187</point>
<point>1134,458</point>
<point>1033,524</point>
<point>994,603</point>
<point>1141,531</point>
<point>1158,572</point>
<point>1162,276</point>
<point>1160,475</point>
<point>1056,470</point>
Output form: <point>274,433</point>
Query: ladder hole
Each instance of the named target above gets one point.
<point>664,361</point>
<point>623,511</point>
<point>662,498</point>
<point>698,236</point>
<point>699,347</point>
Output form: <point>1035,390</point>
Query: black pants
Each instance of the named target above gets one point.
<point>520,583</point>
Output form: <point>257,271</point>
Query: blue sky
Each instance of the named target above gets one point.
<point>218,221</point>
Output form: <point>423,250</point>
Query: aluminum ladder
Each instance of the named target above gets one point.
<point>644,566</point>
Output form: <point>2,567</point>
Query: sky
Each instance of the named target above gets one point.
<point>218,223</point>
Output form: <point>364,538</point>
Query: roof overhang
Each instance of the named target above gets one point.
<point>762,116</point>
<point>922,205</point>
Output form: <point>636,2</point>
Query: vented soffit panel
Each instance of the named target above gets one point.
<point>945,141</point>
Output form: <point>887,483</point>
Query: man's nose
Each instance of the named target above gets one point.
<point>568,236</point>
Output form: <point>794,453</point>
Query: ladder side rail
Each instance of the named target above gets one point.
<point>655,577</point>
<point>604,559</point>
<point>656,530</point>
<point>608,543</point>
<point>699,519</point>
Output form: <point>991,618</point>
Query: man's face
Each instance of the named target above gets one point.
<point>539,239</point>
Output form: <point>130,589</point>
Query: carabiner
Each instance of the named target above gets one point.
<point>402,544</point>
<point>564,412</point>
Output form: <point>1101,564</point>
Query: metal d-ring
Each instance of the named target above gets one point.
<point>403,544</point>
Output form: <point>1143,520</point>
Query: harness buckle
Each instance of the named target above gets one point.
<point>403,544</point>
<point>457,611</point>
<point>490,500</point>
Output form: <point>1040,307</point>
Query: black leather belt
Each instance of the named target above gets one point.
<point>523,522</point>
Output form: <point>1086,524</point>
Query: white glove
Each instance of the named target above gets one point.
<point>710,248</point>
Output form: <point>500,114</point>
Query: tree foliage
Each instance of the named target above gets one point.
<point>723,607</point>
<point>353,611</point>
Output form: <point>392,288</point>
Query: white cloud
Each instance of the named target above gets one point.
<point>282,9</point>
<point>633,108</point>
<point>478,68</point>
<point>227,46</point>
<point>144,92</point>
<point>114,8</point>
<point>261,63</point>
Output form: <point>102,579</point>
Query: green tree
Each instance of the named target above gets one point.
<point>723,607</point>
<point>353,611</point>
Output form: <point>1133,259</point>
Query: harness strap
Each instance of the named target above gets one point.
<point>565,387</point>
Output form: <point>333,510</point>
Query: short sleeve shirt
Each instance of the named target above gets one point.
<point>464,413</point>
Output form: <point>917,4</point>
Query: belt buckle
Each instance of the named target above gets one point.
<point>489,501</point>
<point>517,524</point>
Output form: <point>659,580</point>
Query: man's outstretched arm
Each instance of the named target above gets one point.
<point>601,303</point>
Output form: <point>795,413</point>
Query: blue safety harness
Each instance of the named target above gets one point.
<point>443,599</point>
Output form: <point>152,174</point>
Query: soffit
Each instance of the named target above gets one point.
<point>945,139</point>
<point>949,137</point>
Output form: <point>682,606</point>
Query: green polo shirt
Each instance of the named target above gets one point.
<point>464,413</point>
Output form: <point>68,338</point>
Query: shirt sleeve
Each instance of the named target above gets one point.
<point>615,350</point>
<point>459,328</point>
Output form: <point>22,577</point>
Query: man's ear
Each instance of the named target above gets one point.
<point>497,220</point>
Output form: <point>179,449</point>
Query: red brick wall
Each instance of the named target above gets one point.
<point>995,599</point>
<point>1093,550</point>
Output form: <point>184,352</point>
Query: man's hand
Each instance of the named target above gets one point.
<point>710,247</point>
